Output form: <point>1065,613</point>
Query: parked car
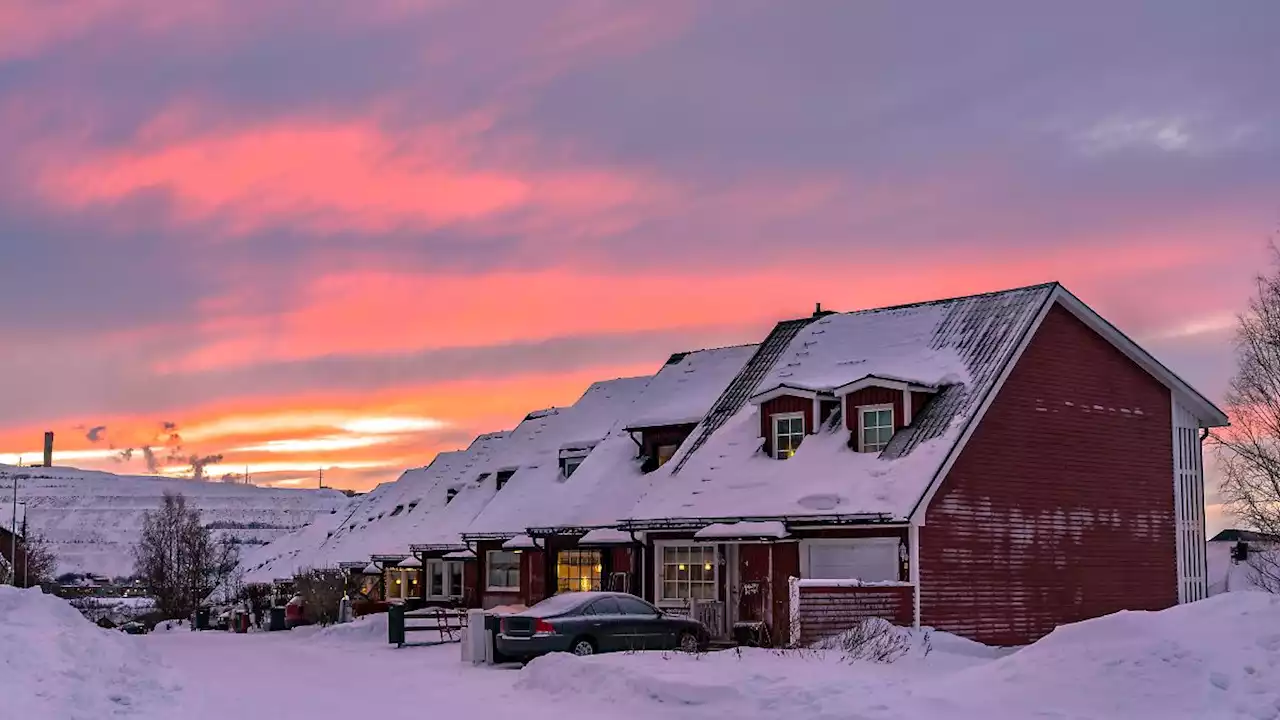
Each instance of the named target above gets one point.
<point>134,628</point>
<point>585,623</point>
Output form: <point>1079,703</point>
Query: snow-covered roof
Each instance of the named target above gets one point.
<point>759,529</point>
<point>609,481</point>
<point>533,452</point>
<point>960,345</point>
<point>605,536</point>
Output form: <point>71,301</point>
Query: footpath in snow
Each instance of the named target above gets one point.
<point>1219,658</point>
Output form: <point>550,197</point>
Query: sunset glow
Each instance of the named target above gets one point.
<point>275,240</point>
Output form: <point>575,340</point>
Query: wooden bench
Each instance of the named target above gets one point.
<point>446,622</point>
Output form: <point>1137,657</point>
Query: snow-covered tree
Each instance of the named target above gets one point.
<point>180,559</point>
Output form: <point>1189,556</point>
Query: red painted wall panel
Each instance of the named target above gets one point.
<point>786,565</point>
<point>1060,508</point>
<point>829,611</point>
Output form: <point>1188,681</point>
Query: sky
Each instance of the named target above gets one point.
<point>304,234</point>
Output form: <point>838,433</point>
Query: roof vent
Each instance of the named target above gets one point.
<point>819,312</point>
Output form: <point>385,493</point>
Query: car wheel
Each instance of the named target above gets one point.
<point>583,647</point>
<point>689,642</point>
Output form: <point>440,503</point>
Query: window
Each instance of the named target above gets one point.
<point>504,569</point>
<point>449,495</point>
<point>635,606</point>
<point>688,573</point>
<point>578,570</point>
<point>569,465</point>
<point>398,509</point>
<point>788,431</point>
<point>865,559</point>
<point>665,453</point>
<point>444,579</point>
<point>413,505</point>
<point>604,606</point>
<point>503,477</point>
<point>877,427</point>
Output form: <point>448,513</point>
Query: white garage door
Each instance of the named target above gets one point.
<point>867,559</point>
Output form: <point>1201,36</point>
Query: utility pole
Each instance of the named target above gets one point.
<point>13,552</point>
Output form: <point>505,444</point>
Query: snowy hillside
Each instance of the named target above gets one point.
<point>92,519</point>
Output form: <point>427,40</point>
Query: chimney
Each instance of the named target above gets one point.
<point>48,449</point>
<point>819,312</point>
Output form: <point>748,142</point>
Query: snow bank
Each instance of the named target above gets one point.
<point>56,664</point>
<point>569,676</point>
<point>1217,658</point>
<point>370,628</point>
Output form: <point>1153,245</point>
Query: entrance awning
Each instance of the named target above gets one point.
<point>460,555</point>
<point>520,542</point>
<point>603,537</point>
<point>409,562</point>
<point>768,530</point>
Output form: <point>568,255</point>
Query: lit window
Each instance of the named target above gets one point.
<point>504,569</point>
<point>788,431</point>
<point>877,427</point>
<point>665,453</point>
<point>688,573</point>
<point>578,570</point>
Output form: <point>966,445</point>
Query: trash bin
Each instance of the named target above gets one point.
<point>395,625</point>
<point>240,621</point>
<point>202,618</point>
<point>275,622</point>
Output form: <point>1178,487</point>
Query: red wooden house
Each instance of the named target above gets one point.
<point>993,465</point>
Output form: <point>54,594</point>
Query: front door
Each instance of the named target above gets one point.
<point>752,591</point>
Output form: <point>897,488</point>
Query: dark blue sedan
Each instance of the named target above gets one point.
<point>585,623</point>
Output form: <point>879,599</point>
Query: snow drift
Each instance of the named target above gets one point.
<point>56,664</point>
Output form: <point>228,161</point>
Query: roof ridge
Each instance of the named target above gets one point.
<point>957,298</point>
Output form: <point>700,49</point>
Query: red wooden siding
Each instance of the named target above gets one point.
<point>918,401</point>
<point>786,565</point>
<point>533,576</point>
<point>1060,508</point>
<point>471,583</point>
<point>618,560</point>
<point>827,611</point>
<point>874,396</point>
<point>784,404</point>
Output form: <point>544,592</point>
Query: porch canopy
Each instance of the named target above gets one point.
<point>372,569</point>
<point>520,542</point>
<point>766,530</point>
<point>604,537</point>
<point>409,562</point>
<point>460,555</point>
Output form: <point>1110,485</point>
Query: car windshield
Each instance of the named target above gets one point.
<point>557,605</point>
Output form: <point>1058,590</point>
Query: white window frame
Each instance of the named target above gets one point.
<point>445,567</point>
<point>488,569</point>
<point>571,465</point>
<point>773,423</point>
<point>862,426</point>
<point>659,548</point>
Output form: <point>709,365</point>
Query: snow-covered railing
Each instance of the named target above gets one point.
<point>822,608</point>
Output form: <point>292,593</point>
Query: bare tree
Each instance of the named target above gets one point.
<point>38,563</point>
<point>180,559</point>
<point>1249,451</point>
<point>321,592</point>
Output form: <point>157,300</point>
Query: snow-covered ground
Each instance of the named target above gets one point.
<point>1219,658</point>
<point>92,519</point>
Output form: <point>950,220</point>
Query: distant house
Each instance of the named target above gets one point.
<point>993,466</point>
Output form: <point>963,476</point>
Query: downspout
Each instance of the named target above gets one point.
<point>913,570</point>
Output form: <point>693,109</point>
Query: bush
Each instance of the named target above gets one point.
<point>321,592</point>
<point>873,639</point>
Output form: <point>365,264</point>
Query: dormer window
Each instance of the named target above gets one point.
<point>449,495</point>
<point>875,427</point>
<point>504,476</point>
<point>569,465</point>
<point>788,432</point>
<point>665,453</point>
